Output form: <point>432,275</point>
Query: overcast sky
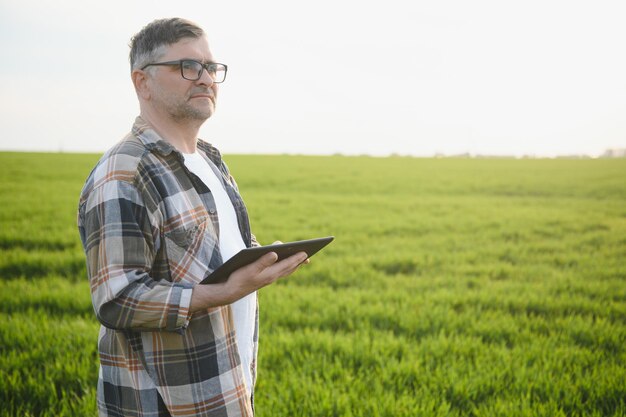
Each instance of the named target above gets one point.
<point>321,77</point>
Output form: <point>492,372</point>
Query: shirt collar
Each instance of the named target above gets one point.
<point>155,143</point>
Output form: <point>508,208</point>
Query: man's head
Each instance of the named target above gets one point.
<point>164,87</point>
<point>149,44</point>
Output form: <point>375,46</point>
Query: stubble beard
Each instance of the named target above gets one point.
<point>182,111</point>
<point>188,113</point>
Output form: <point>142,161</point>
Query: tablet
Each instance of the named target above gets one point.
<point>249,255</point>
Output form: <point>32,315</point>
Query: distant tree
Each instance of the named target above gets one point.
<point>614,153</point>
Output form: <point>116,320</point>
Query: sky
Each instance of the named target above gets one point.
<point>485,77</point>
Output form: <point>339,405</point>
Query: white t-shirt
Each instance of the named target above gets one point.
<point>231,242</point>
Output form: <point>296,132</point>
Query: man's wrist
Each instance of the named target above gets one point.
<point>209,295</point>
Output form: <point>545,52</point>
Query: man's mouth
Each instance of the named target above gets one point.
<point>202,94</point>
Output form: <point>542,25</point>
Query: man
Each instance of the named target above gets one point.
<point>160,212</point>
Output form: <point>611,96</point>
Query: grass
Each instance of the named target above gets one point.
<point>455,287</point>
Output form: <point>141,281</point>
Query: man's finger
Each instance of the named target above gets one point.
<point>268,259</point>
<point>289,265</point>
<point>263,262</point>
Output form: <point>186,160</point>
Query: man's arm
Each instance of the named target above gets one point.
<point>245,280</point>
<point>118,239</point>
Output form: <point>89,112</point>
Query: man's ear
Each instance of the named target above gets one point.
<point>140,81</point>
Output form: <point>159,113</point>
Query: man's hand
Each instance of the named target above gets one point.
<point>246,280</point>
<point>263,272</point>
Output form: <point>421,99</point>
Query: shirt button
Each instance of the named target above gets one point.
<point>212,211</point>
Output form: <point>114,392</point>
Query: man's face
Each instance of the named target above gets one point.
<point>180,98</point>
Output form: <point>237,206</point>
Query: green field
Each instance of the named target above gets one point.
<point>455,287</point>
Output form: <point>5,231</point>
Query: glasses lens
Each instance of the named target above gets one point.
<point>217,72</point>
<point>191,70</point>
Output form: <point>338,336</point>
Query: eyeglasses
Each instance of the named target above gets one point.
<point>192,70</point>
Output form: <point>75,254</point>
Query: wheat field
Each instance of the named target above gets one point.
<point>455,287</point>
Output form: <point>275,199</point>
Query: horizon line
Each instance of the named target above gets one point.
<point>607,154</point>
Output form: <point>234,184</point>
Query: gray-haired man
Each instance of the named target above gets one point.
<point>159,212</point>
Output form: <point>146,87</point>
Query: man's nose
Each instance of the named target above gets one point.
<point>205,78</point>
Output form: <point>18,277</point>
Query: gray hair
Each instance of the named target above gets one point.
<point>149,44</point>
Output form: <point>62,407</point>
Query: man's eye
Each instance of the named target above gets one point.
<point>190,65</point>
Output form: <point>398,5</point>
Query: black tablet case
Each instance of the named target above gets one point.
<point>249,255</point>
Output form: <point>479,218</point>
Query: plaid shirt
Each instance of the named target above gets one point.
<point>150,232</point>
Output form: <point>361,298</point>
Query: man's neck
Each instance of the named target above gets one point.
<point>183,135</point>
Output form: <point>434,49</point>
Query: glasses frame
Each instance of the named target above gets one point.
<point>180,64</point>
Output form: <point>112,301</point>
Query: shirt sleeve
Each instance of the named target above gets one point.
<point>119,242</point>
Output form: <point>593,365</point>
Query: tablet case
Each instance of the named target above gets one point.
<point>249,255</point>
